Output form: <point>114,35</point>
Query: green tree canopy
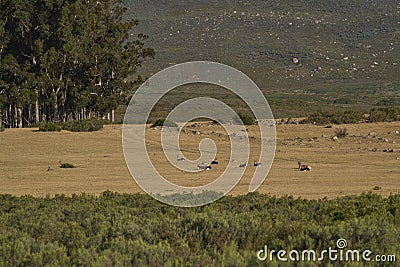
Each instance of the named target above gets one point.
<point>65,59</point>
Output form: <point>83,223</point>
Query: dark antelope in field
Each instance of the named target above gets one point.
<point>303,167</point>
<point>215,161</point>
<point>257,163</point>
<point>203,167</point>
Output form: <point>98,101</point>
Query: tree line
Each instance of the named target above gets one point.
<point>65,60</point>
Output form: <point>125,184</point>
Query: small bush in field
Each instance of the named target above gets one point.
<point>341,132</point>
<point>164,122</point>
<point>66,166</point>
<point>2,129</point>
<point>50,127</point>
<point>89,125</point>
<point>36,125</point>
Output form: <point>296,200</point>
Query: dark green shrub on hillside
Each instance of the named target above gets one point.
<point>88,125</point>
<point>384,114</point>
<point>2,129</point>
<point>164,122</point>
<point>323,117</point>
<point>246,119</point>
<point>49,127</point>
<point>343,101</point>
<point>347,117</point>
<point>377,115</point>
<point>388,102</point>
<point>320,118</point>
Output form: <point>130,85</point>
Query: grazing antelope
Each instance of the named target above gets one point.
<point>203,167</point>
<point>257,164</point>
<point>215,161</point>
<point>50,169</point>
<point>179,158</point>
<point>303,167</point>
<point>243,165</point>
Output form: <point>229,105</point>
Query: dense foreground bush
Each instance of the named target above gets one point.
<point>88,125</point>
<point>135,230</point>
<point>2,129</point>
<point>49,127</point>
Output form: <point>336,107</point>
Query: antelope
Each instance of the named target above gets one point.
<point>203,167</point>
<point>179,158</point>
<point>215,161</point>
<point>257,164</point>
<point>303,167</point>
<point>242,165</point>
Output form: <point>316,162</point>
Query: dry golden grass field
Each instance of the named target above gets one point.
<point>342,167</point>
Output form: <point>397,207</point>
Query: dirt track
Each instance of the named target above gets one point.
<point>345,166</point>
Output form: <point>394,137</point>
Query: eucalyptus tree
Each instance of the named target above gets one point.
<point>65,59</point>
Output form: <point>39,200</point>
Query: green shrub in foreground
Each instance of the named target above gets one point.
<point>2,129</point>
<point>136,230</point>
<point>49,127</point>
<point>88,125</point>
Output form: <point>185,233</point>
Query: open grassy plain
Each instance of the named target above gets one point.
<point>343,167</point>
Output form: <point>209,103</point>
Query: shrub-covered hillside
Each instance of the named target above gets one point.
<point>346,51</point>
<point>135,230</point>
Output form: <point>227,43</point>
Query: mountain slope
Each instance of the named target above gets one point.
<point>347,51</point>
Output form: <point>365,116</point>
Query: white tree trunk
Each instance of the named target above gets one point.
<point>19,117</point>
<point>37,117</point>
<point>113,115</point>
<point>11,116</point>
<point>1,118</point>
<point>55,107</point>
